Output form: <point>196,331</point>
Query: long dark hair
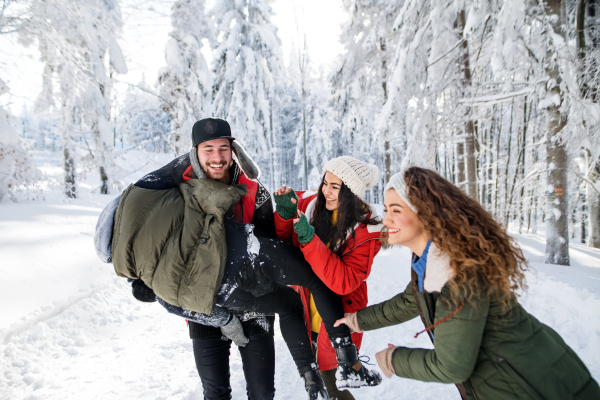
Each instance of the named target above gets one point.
<point>351,211</point>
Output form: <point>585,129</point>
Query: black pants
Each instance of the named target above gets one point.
<point>286,266</point>
<point>258,360</point>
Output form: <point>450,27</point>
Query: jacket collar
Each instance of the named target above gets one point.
<point>437,270</point>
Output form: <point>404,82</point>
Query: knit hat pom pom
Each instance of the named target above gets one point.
<point>374,176</point>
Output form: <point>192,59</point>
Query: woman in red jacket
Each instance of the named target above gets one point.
<point>338,234</point>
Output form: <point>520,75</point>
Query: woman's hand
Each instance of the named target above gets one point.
<point>305,231</point>
<point>282,190</point>
<point>384,360</point>
<point>286,202</point>
<point>351,321</point>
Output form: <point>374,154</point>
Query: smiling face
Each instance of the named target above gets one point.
<point>215,159</point>
<point>404,227</point>
<point>331,190</point>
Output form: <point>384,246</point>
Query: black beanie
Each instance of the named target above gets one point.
<point>209,129</point>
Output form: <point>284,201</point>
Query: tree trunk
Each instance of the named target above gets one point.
<point>70,174</point>
<point>303,71</point>
<point>557,219</point>
<point>469,158</point>
<point>588,68</point>
<point>460,166</point>
<point>70,189</point>
<point>593,200</point>
<point>386,144</point>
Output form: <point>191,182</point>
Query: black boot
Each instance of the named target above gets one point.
<point>314,385</point>
<point>350,371</point>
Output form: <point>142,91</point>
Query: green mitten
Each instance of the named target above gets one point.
<point>284,206</point>
<point>304,230</point>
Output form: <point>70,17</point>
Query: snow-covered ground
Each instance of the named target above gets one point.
<point>70,328</point>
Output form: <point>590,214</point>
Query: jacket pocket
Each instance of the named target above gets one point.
<point>518,378</point>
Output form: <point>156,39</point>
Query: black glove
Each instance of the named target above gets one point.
<point>142,292</point>
<point>253,279</point>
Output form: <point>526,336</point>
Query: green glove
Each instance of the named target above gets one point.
<point>304,230</point>
<point>284,206</point>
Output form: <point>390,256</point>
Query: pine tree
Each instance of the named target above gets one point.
<point>17,168</point>
<point>186,82</point>
<point>360,81</point>
<point>78,41</point>
<point>247,69</point>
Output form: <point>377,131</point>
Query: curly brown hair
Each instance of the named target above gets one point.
<point>485,259</point>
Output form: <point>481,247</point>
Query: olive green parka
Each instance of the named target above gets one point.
<point>174,240</point>
<point>490,352</point>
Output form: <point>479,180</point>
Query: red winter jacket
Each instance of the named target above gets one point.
<point>345,275</point>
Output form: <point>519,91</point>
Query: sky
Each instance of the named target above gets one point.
<point>146,27</point>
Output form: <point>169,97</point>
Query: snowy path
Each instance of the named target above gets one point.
<point>70,328</point>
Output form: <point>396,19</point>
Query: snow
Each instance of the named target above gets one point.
<point>71,329</point>
<point>551,101</point>
<point>253,243</point>
<point>493,99</point>
<point>3,87</point>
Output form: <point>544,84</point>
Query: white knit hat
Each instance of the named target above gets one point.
<point>357,175</point>
<point>398,183</point>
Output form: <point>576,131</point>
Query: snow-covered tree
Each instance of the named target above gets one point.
<point>588,109</point>
<point>321,127</point>
<point>289,113</point>
<point>17,169</point>
<point>185,83</point>
<point>78,42</point>
<point>141,123</point>
<point>247,68</point>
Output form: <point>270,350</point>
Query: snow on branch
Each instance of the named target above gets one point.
<point>496,98</point>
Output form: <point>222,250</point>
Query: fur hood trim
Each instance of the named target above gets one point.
<point>243,160</point>
<point>437,271</point>
<point>246,162</point>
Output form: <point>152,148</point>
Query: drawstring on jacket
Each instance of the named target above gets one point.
<point>446,318</point>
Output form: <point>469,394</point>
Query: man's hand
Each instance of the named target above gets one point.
<point>253,279</point>
<point>286,202</point>
<point>234,331</point>
<point>142,292</point>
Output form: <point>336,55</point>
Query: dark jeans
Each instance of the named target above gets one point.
<point>285,302</point>
<point>286,265</point>
<point>258,360</point>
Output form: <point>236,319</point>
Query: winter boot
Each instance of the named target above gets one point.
<point>350,371</point>
<point>314,385</point>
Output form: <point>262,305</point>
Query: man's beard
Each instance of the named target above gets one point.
<point>225,178</point>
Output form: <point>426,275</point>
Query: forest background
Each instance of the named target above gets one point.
<point>501,97</point>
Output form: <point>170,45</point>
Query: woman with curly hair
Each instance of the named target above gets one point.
<point>465,272</point>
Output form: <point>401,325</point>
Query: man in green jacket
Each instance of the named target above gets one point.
<point>212,158</point>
